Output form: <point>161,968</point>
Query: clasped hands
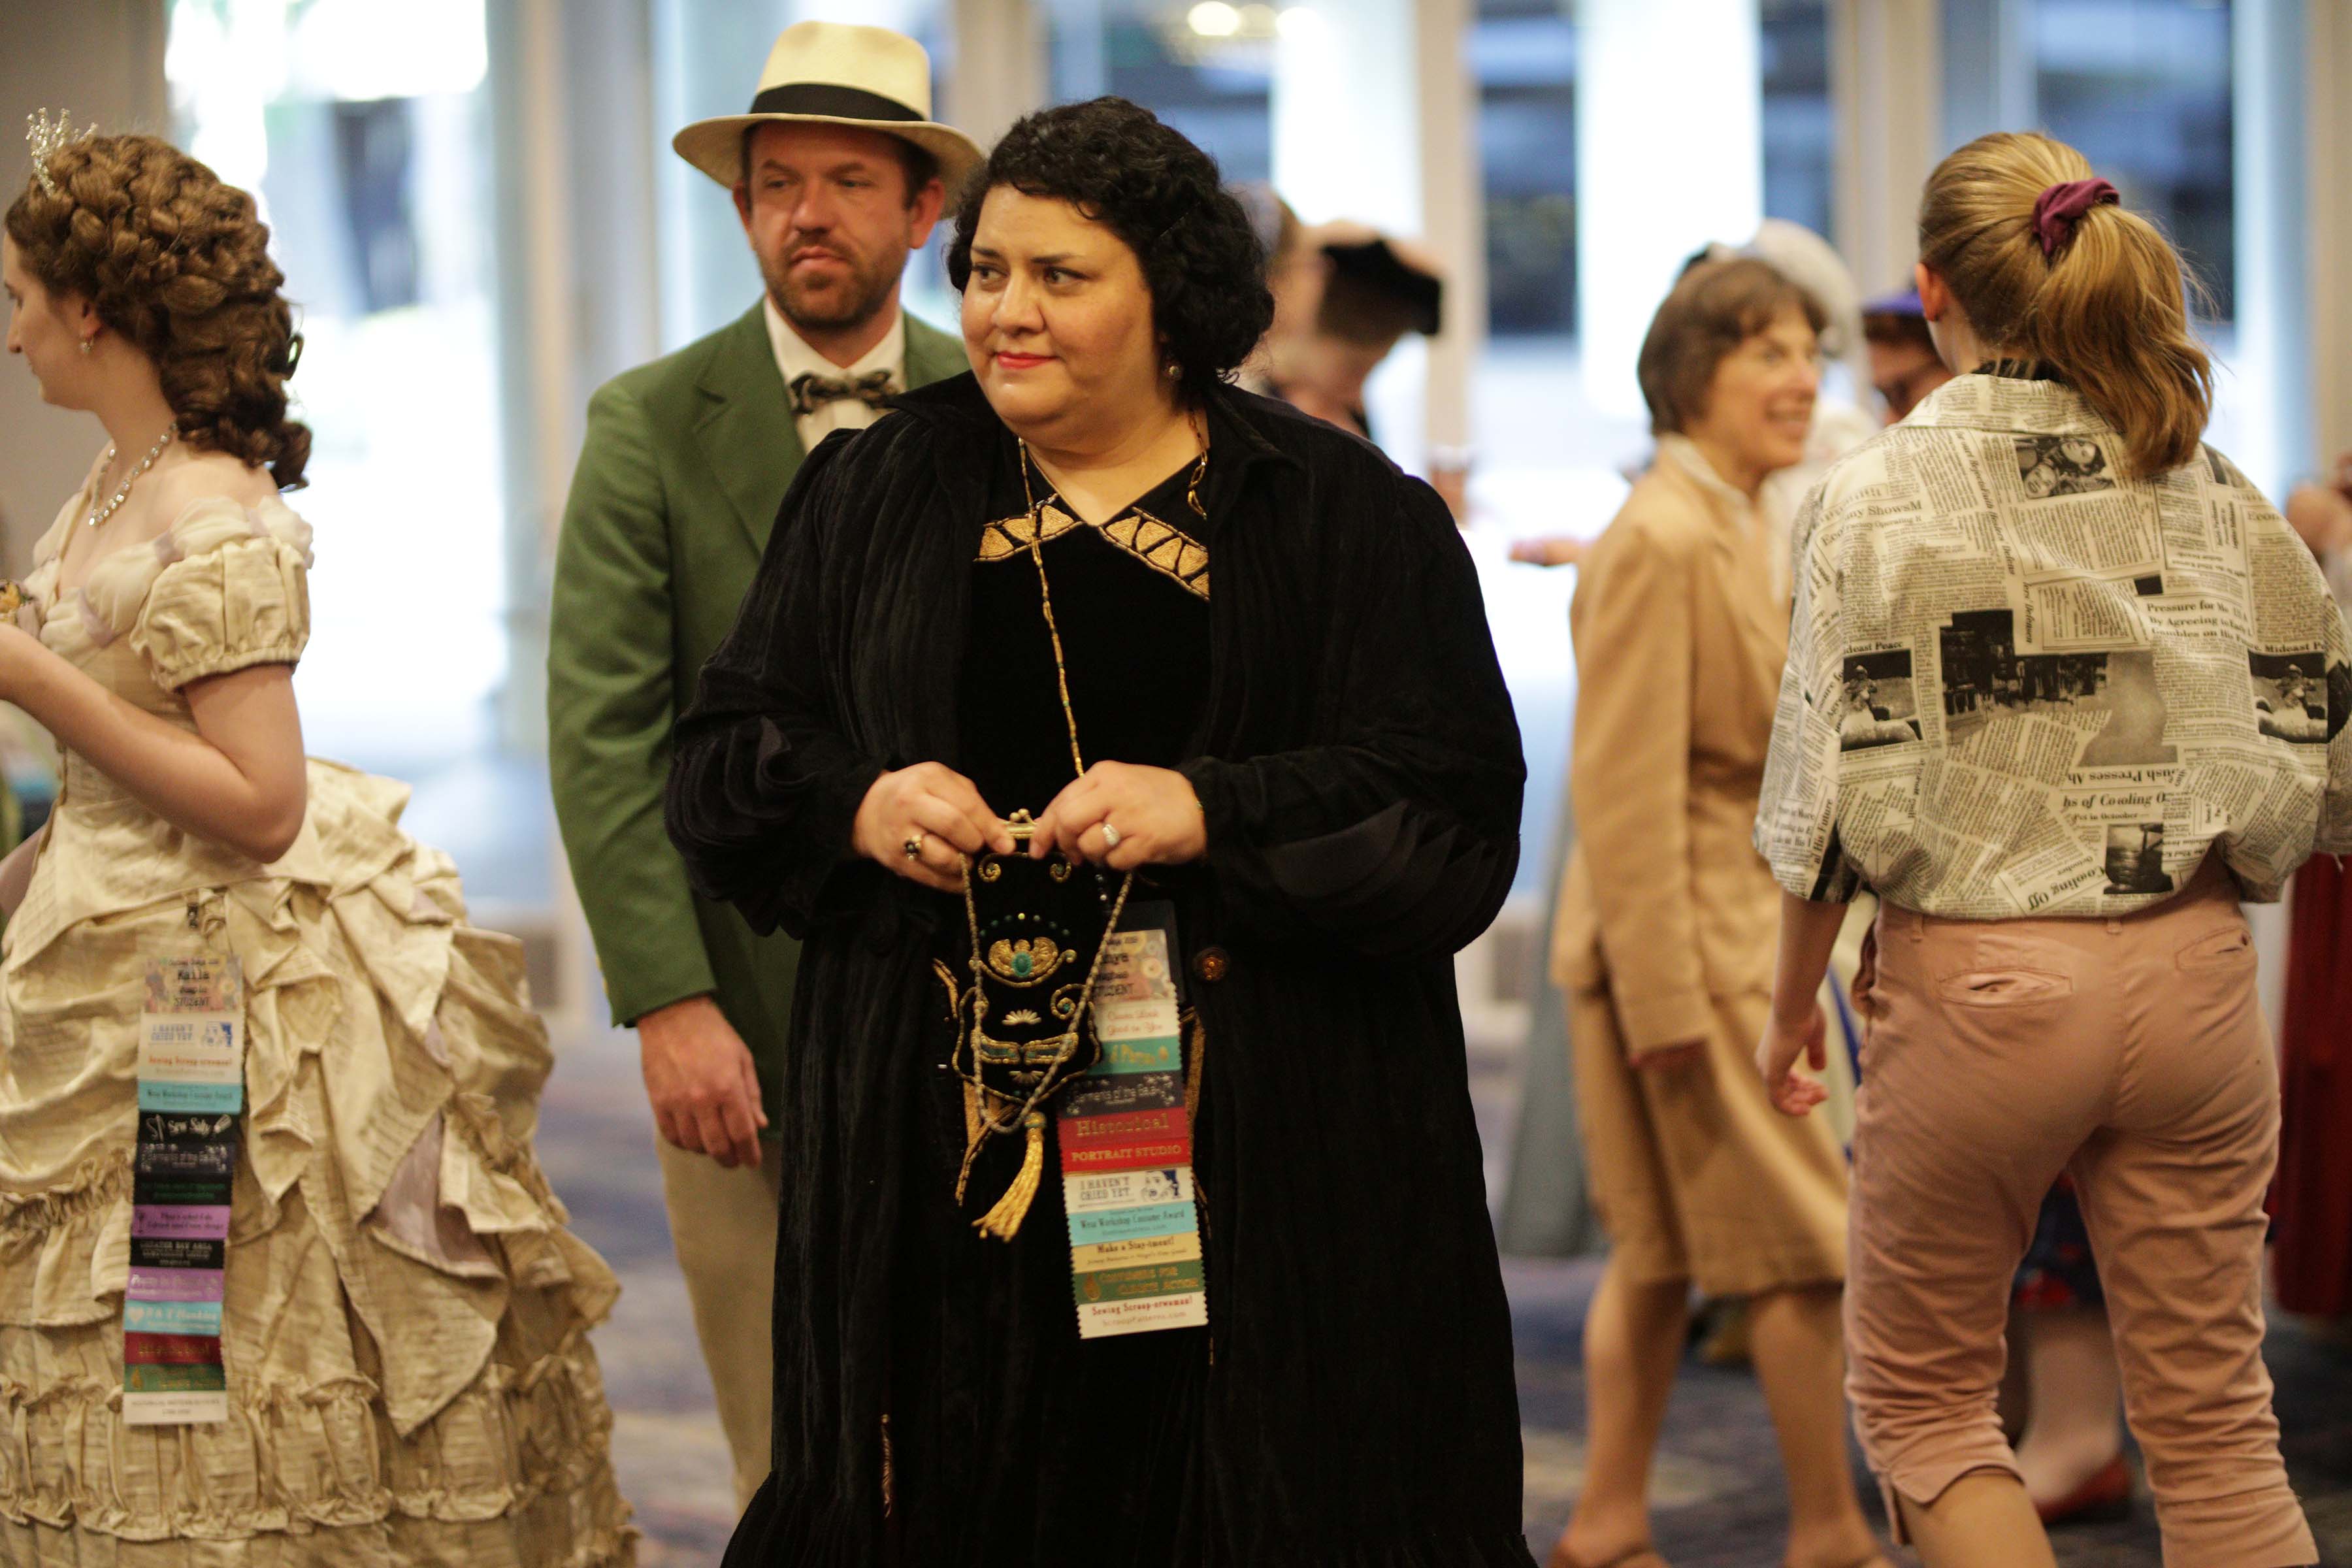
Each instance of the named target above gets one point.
<point>1116,815</point>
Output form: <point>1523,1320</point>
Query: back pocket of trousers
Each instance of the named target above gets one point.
<point>2231,947</point>
<point>2004,987</point>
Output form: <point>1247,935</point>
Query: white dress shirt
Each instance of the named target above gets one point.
<point>795,358</point>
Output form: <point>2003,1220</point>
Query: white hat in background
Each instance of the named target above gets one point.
<point>829,73</point>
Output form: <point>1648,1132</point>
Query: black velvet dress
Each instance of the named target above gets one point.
<point>1002,1416</point>
<point>1351,1404</point>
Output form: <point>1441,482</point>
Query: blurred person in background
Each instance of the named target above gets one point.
<point>1813,264</point>
<point>2311,1202</point>
<point>1663,939</point>
<point>1840,424</point>
<point>838,172</point>
<point>1374,290</point>
<point>1295,269</point>
<point>1903,368</point>
<point>403,1315</point>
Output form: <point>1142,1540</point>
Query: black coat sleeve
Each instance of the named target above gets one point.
<point>1399,835</point>
<point>764,786</point>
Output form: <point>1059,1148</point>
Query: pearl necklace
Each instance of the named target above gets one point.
<point>98,514</point>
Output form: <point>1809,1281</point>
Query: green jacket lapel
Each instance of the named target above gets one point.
<point>931,355</point>
<point>747,434</point>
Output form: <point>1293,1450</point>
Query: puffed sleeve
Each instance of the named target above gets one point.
<point>233,592</point>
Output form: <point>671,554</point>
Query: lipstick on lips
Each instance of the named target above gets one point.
<point>1008,360</point>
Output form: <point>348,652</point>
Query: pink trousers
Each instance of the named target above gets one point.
<point>2133,1054</point>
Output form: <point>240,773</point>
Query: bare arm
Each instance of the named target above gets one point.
<point>239,781</point>
<point>1809,930</point>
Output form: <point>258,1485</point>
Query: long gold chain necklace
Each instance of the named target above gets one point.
<point>991,1110</point>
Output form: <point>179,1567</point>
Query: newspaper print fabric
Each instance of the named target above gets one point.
<point>2020,684</point>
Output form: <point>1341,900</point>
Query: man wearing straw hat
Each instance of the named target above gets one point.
<point>838,172</point>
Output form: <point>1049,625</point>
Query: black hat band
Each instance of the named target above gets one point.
<point>831,100</point>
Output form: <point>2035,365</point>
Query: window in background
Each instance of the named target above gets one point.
<point>360,128</point>
<point>1524,53</point>
<point>1799,120</point>
<point>2142,88</point>
<point>1543,460</point>
<point>1206,68</point>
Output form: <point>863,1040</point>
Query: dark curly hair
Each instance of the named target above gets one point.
<point>179,264</point>
<point>1120,166</point>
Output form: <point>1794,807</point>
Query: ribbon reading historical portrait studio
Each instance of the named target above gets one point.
<point>1072,1000</point>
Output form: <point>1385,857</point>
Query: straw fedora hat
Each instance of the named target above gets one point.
<point>829,73</point>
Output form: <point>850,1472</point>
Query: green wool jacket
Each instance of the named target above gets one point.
<point>686,462</point>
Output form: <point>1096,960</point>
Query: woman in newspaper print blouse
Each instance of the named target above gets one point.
<point>2060,978</point>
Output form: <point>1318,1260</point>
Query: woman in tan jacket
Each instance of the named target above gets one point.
<point>1665,938</point>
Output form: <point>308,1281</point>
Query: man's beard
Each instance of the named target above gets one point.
<point>849,298</point>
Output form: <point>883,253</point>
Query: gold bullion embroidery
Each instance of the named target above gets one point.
<point>1161,546</point>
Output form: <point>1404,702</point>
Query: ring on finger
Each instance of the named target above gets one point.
<point>1110,834</point>
<point>913,847</point>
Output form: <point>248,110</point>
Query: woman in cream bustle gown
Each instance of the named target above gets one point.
<point>406,1315</point>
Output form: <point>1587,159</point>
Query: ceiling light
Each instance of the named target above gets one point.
<point>1214,19</point>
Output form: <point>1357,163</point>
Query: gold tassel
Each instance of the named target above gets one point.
<point>1192,1069</point>
<point>1003,1221</point>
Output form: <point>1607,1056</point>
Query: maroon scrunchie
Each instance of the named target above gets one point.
<point>2057,210</point>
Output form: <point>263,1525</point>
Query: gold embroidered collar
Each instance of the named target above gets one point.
<point>1161,546</point>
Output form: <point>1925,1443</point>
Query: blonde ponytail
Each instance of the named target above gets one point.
<point>2106,310</point>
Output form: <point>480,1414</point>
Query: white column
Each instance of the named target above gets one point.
<point>2327,252</point>
<point>1669,156</point>
<point>1347,107</point>
<point>1886,81</point>
<point>1990,70</point>
<point>1001,70</point>
<point>2268,38</point>
<point>1453,215</point>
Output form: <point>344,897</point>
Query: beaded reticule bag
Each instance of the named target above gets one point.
<point>1023,1022</point>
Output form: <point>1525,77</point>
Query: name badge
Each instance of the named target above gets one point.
<point>1127,1149</point>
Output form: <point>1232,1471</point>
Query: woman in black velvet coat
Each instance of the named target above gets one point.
<point>1315,763</point>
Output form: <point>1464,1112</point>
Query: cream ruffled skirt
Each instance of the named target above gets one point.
<point>406,1324</point>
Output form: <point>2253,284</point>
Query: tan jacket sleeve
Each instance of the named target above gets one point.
<point>1630,772</point>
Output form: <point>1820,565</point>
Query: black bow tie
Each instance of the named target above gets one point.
<point>811,391</point>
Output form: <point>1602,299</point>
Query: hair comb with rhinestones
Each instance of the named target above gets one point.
<point>47,138</point>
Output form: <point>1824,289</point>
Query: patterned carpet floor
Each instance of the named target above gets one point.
<point>1717,1492</point>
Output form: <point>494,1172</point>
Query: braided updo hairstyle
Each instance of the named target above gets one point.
<point>178,263</point>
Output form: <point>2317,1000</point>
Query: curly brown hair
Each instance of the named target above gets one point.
<point>178,263</point>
